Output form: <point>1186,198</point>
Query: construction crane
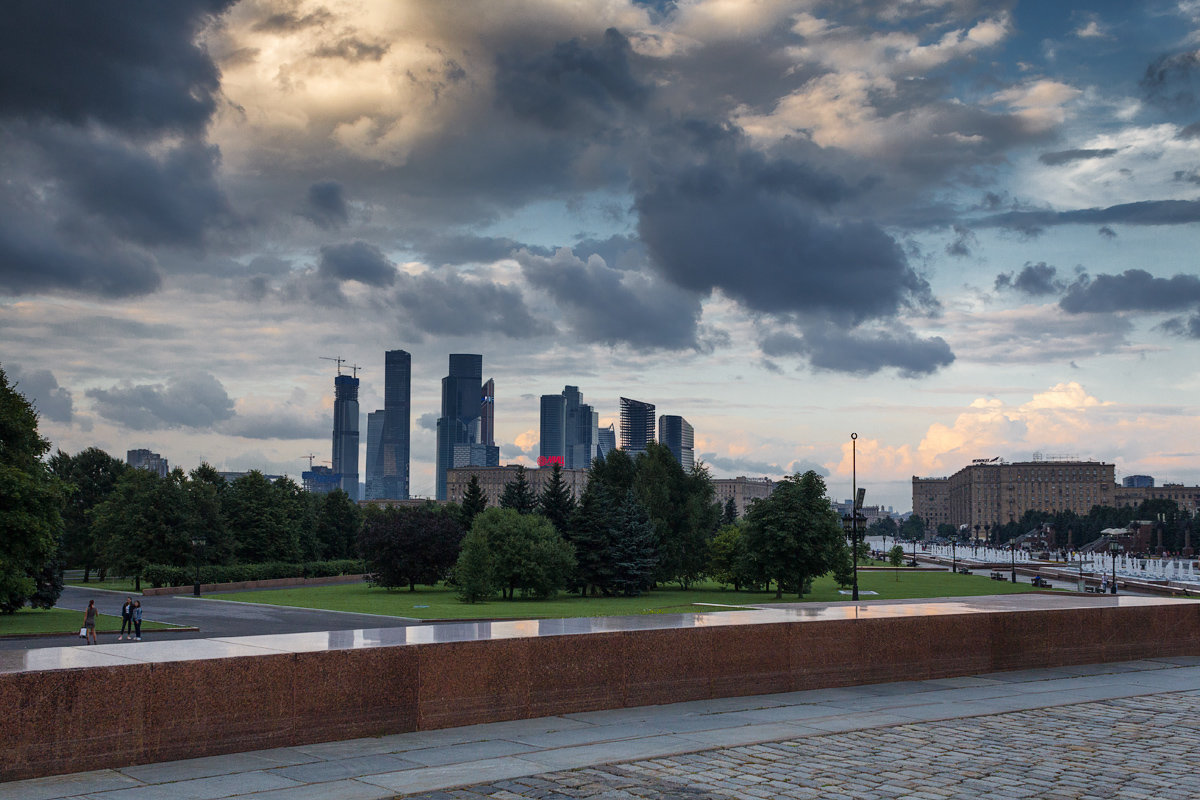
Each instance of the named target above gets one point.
<point>310,458</point>
<point>354,368</point>
<point>337,359</point>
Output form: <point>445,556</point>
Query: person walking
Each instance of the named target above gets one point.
<point>126,619</point>
<point>137,619</point>
<point>89,622</point>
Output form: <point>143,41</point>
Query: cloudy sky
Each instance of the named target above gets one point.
<point>960,229</point>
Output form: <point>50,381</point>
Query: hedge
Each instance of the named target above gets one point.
<point>159,575</point>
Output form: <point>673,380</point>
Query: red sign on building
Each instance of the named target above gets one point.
<point>549,461</point>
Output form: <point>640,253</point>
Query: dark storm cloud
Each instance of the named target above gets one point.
<point>1170,81</point>
<point>761,231</point>
<point>451,305</point>
<point>41,388</point>
<point>1061,157</point>
<point>1190,132</point>
<point>468,249</point>
<point>572,85</point>
<point>1178,326</point>
<point>611,306</point>
<point>189,401</point>
<point>1145,212</point>
<point>831,347</point>
<point>964,241</point>
<point>101,327</point>
<point>1132,290</point>
<point>1106,232</point>
<point>1035,280</point>
<point>619,251</point>
<point>356,261</point>
<point>135,66</point>
<point>325,205</point>
<point>1187,176</point>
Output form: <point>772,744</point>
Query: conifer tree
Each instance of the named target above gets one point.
<point>518,495</point>
<point>556,502</point>
<point>474,502</point>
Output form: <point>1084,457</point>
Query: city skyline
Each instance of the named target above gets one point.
<point>958,229</point>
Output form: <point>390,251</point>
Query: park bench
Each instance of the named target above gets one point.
<point>964,571</point>
<point>1040,582</point>
<point>1092,589</point>
<point>998,576</point>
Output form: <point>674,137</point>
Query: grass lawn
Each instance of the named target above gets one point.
<point>63,620</point>
<point>113,584</point>
<point>441,603</point>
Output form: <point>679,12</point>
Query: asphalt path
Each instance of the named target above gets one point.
<point>214,618</point>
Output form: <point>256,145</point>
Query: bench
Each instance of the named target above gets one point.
<point>999,576</point>
<point>1093,589</point>
<point>964,571</point>
<point>1040,582</point>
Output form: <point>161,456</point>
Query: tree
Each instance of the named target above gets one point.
<point>729,515</point>
<point>88,478</point>
<point>474,502</point>
<point>843,567</point>
<point>896,558</point>
<point>913,527</point>
<point>556,502</point>
<point>633,555</point>
<point>475,571</point>
<point>793,535</point>
<point>337,525</point>
<point>146,520</point>
<point>528,554</point>
<point>682,509</point>
<point>261,528</point>
<point>31,501</point>
<point>298,512</point>
<point>517,495</point>
<point>884,526</point>
<point>592,531</point>
<point>726,554</point>
<point>407,546</point>
<point>205,490</point>
<point>947,531</point>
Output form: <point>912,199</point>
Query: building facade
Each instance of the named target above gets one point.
<point>552,430</point>
<point>742,491</point>
<point>144,459</point>
<point>459,424</point>
<point>606,440</point>
<point>391,464</point>
<point>320,480</point>
<point>493,480</point>
<point>487,413</point>
<point>345,433</point>
<point>931,501</point>
<point>1186,497</point>
<point>1137,481</point>
<point>374,483</point>
<point>637,425</point>
<point>680,438</point>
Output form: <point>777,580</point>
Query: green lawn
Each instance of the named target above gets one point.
<point>62,620</point>
<point>441,603</point>
<point>113,584</point>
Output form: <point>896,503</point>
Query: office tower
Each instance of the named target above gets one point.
<point>606,440</point>
<point>678,436</point>
<point>144,459</point>
<point>345,433</point>
<point>319,480</point>
<point>1137,481</point>
<point>390,465</point>
<point>581,424</point>
<point>487,414</point>
<point>374,466</point>
<point>637,425</point>
<point>553,430</point>
<point>459,423</point>
<point>475,455</point>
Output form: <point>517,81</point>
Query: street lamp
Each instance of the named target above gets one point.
<point>197,543</point>
<point>851,522</point>
<point>953,555</point>
<point>1114,548</point>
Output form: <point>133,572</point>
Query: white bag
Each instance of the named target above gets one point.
<point>83,633</point>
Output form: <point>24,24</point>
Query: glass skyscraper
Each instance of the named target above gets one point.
<point>553,431</point>
<point>678,435</point>
<point>569,429</point>
<point>461,406</point>
<point>637,425</point>
<point>345,434</point>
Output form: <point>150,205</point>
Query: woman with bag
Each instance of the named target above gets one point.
<point>137,619</point>
<point>89,622</point>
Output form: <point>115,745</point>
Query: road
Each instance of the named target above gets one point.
<point>213,617</point>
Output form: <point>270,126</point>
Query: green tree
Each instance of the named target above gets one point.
<point>474,573</point>
<point>88,478</point>
<point>146,520</point>
<point>337,523</point>
<point>794,536</point>
<point>843,567</point>
<point>896,558</point>
<point>205,490</point>
<point>517,495</point>
<point>884,526</point>
<point>592,531</point>
<point>529,555</point>
<point>633,555</point>
<point>31,501</point>
<point>261,527</point>
<point>474,502</point>
<point>947,531</point>
<point>726,554</point>
<point>913,527</point>
<point>682,508</point>
<point>299,513</point>
<point>729,514</point>
<point>556,502</point>
<point>407,546</point>
<point>615,470</point>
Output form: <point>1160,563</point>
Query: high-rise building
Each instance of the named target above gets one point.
<point>320,480</point>
<point>144,459</point>
<point>677,434</point>
<point>1137,481</point>
<point>553,431</point>
<point>462,389</point>
<point>388,463</point>
<point>476,455</point>
<point>345,433</point>
<point>606,440</point>
<point>637,425</point>
<point>374,486</point>
<point>487,413</point>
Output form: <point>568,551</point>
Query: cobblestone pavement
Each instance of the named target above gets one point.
<point>1125,749</point>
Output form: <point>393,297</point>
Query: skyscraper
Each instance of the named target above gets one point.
<point>345,433</point>
<point>144,459</point>
<point>374,490</point>
<point>487,414</point>
<point>606,440</point>
<point>637,425</point>
<point>675,432</point>
<point>553,431</point>
<point>388,470</point>
<point>460,420</point>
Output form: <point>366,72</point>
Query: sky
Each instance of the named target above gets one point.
<point>957,229</point>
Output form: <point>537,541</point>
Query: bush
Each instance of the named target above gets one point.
<point>159,575</point>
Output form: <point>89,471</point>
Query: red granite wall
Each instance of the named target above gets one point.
<point>80,719</point>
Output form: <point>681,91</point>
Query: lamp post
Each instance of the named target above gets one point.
<point>953,555</point>
<point>1012,551</point>
<point>1114,548</point>
<point>855,506</point>
<point>197,543</point>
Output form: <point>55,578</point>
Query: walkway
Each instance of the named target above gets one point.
<point>1127,730</point>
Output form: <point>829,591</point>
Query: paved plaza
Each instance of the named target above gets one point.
<point>1120,730</point>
